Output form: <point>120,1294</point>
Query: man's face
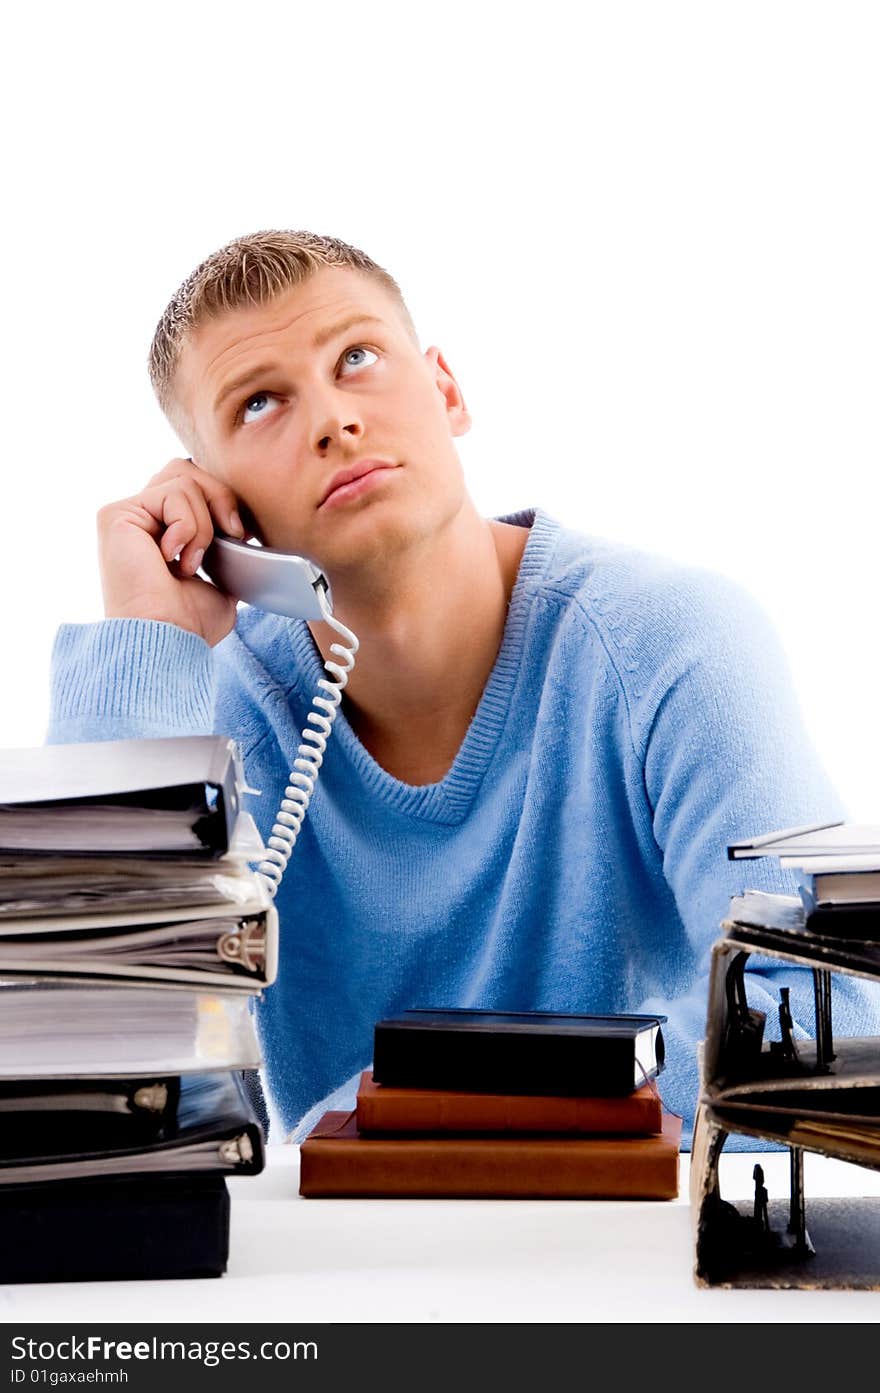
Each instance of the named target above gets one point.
<point>286,402</point>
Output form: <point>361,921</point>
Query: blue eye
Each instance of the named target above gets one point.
<point>252,406</point>
<point>358,348</point>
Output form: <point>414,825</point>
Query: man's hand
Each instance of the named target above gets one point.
<point>176,515</point>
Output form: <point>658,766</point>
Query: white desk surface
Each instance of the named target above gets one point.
<point>296,1261</point>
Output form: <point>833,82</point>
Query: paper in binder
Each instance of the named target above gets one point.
<point>146,797</point>
<point>80,1029</point>
<point>199,945</point>
<point>36,886</point>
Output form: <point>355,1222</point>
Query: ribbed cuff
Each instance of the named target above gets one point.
<point>129,678</point>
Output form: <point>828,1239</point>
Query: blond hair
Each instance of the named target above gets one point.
<point>250,270</point>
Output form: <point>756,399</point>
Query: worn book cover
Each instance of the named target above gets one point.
<point>381,1108</point>
<point>336,1161</point>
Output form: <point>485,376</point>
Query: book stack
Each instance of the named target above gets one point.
<point>133,939</point>
<point>467,1104</point>
<point>837,870</point>
<point>812,1095</point>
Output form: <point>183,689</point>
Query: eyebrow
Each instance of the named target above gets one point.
<point>323,337</point>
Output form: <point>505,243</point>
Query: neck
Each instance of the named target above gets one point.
<point>429,629</point>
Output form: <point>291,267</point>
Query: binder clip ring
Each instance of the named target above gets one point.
<point>244,947</point>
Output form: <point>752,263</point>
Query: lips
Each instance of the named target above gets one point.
<point>350,475</point>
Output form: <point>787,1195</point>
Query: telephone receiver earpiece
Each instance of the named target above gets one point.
<point>268,579</point>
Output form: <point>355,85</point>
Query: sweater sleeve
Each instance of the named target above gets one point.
<point>120,679</point>
<point>726,756</point>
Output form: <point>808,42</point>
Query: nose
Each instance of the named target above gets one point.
<point>337,421</point>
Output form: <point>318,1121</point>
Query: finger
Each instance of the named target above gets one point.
<point>223,502</point>
<point>192,552</point>
<point>182,519</point>
<point>221,499</point>
<point>181,523</point>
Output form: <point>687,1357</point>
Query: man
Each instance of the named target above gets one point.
<point>547,741</point>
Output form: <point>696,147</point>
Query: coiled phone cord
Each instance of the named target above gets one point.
<point>304,775</point>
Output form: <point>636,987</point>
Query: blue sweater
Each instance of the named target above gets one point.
<point>639,716</point>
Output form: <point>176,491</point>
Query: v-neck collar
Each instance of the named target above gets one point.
<point>448,800</point>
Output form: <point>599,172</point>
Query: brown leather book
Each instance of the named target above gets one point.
<point>336,1161</point>
<point>382,1108</point>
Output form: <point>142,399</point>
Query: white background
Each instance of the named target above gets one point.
<point>645,236</point>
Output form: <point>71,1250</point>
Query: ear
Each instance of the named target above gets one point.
<point>456,411</point>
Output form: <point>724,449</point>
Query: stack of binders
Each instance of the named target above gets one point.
<point>133,940</point>
<point>468,1104</point>
<point>817,1095</point>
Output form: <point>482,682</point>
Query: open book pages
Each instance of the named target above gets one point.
<point>80,1029</point>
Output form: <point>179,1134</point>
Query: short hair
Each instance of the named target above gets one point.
<point>251,270</point>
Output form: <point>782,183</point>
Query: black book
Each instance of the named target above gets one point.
<point>88,1230</point>
<point>532,1052</point>
<point>213,1129</point>
<point>178,796</point>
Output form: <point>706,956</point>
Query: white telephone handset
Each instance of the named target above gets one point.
<point>292,586</point>
<point>269,579</point>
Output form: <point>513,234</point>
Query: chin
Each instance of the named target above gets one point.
<point>372,535</point>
